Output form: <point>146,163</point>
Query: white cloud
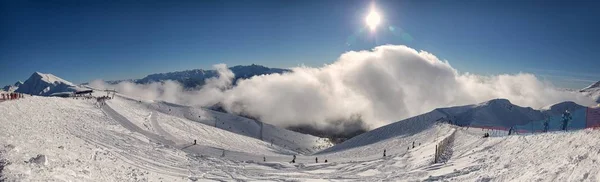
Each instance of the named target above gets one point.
<point>384,85</point>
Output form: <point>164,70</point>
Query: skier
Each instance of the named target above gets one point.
<point>294,159</point>
<point>413,144</point>
<point>546,125</point>
<point>194,142</point>
<point>316,160</point>
<point>264,159</point>
<point>384,152</point>
<point>510,131</point>
<point>566,118</point>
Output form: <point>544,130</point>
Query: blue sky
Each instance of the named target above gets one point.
<point>84,40</point>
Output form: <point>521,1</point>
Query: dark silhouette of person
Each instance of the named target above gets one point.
<point>294,159</point>
<point>546,125</point>
<point>194,142</point>
<point>384,152</point>
<point>316,160</point>
<point>566,118</point>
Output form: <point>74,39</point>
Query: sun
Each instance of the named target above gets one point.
<point>373,19</point>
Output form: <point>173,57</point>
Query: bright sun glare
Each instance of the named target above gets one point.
<point>373,19</point>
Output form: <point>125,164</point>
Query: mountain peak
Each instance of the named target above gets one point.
<point>45,84</point>
<point>50,78</point>
<point>592,86</point>
<point>498,101</point>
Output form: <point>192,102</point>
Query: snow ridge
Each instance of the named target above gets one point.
<point>592,91</point>
<point>46,84</point>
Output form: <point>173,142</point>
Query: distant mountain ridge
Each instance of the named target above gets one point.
<point>13,87</point>
<point>196,77</point>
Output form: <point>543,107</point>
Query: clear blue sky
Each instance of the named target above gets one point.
<point>84,40</point>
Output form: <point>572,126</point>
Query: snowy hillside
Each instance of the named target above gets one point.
<point>502,113</point>
<point>63,139</point>
<point>46,84</point>
<point>491,114</point>
<point>289,140</point>
<point>592,91</point>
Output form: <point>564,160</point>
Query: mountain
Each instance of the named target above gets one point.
<point>196,77</point>
<point>46,84</point>
<point>592,91</point>
<point>496,113</point>
<point>13,87</point>
<point>501,113</point>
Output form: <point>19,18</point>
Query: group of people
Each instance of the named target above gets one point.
<point>101,100</point>
<point>12,96</point>
<point>294,159</point>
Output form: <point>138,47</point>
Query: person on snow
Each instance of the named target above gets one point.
<point>566,118</point>
<point>316,160</point>
<point>384,152</point>
<point>294,159</point>
<point>413,144</point>
<point>194,142</point>
<point>264,159</point>
<point>546,125</point>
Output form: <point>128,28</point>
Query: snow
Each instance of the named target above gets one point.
<point>592,91</point>
<point>46,84</point>
<point>13,87</point>
<point>131,140</point>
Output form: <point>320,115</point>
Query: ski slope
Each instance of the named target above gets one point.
<point>132,140</point>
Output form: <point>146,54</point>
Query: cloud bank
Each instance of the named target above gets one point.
<point>376,87</point>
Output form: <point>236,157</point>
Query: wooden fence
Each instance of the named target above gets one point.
<point>443,147</point>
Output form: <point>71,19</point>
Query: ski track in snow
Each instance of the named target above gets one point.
<point>128,140</point>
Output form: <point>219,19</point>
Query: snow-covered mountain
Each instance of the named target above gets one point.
<point>496,113</point>
<point>196,77</point>
<point>13,87</point>
<point>592,91</point>
<point>44,84</point>
<point>502,113</point>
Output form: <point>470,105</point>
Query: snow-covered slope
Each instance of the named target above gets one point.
<point>502,113</point>
<point>57,139</point>
<point>592,91</point>
<point>46,84</point>
<point>498,113</point>
<point>290,140</point>
<point>560,108</point>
